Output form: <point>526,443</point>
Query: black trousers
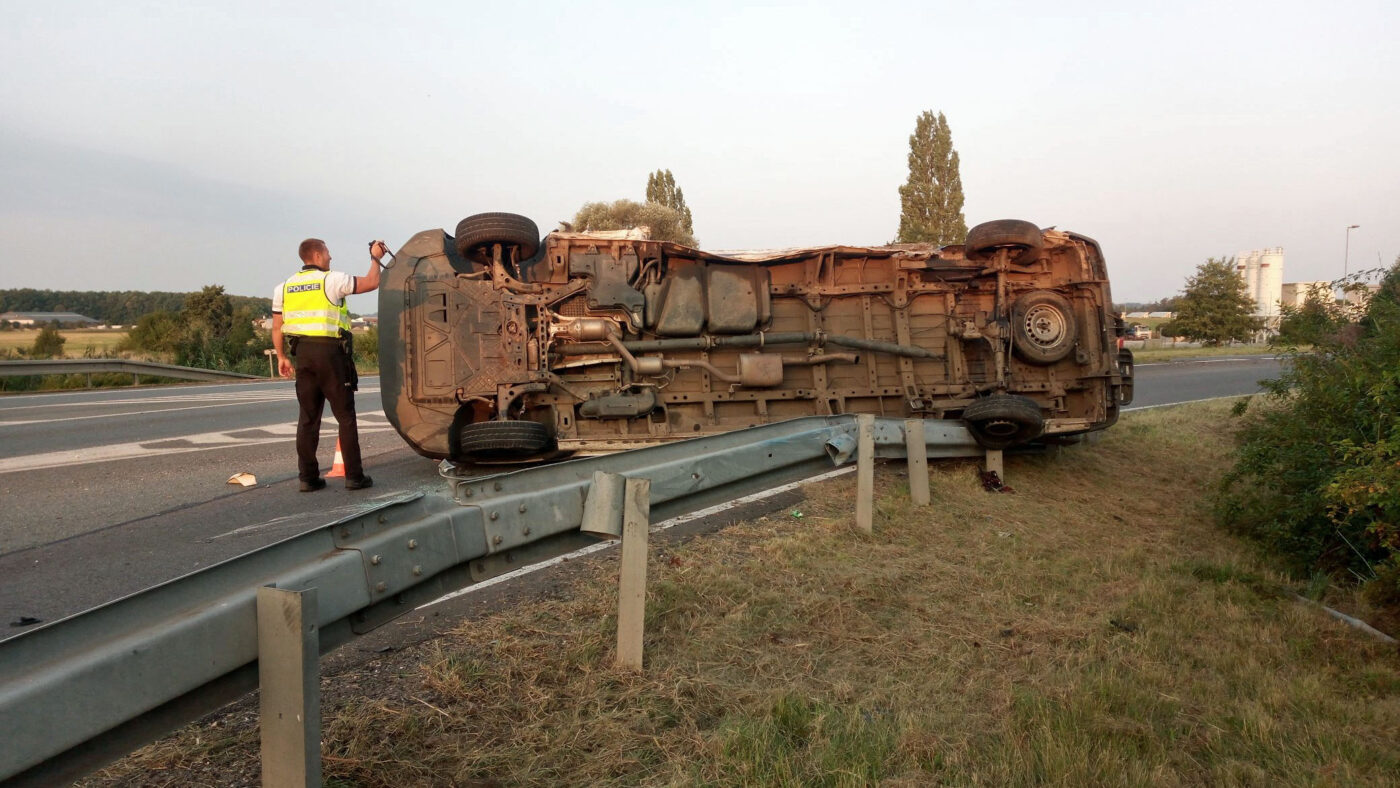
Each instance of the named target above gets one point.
<point>326,373</point>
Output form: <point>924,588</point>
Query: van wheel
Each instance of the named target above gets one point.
<point>1043,329</point>
<point>482,230</point>
<point>987,237</point>
<point>500,440</point>
<point>1003,420</point>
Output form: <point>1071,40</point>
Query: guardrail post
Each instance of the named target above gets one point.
<point>865,473</point>
<point>632,584</point>
<point>289,705</point>
<point>917,456</point>
<point>993,463</point>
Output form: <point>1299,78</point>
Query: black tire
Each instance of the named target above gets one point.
<point>500,440</point>
<point>1043,327</point>
<point>987,237</point>
<point>484,229</point>
<point>1002,420</point>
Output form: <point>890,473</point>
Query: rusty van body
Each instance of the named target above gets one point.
<point>497,345</point>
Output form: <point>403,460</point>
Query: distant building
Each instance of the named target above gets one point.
<point>1359,294</point>
<point>1262,272</point>
<point>64,319</point>
<point>1295,294</point>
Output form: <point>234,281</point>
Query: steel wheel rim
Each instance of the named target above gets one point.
<point>1045,325</point>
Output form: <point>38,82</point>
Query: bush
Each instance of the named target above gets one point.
<point>48,344</point>
<point>208,333</point>
<point>367,349</point>
<point>1316,478</point>
<point>664,222</point>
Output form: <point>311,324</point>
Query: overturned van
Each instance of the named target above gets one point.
<point>495,345</point>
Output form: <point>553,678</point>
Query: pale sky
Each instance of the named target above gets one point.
<point>170,145</point>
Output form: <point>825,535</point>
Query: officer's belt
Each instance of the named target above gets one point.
<point>316,340</point>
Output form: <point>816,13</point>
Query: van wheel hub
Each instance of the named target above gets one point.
<point>1045,325</point>
<point>1000,428</point>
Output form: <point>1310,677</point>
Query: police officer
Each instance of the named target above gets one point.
<point>309,309</point>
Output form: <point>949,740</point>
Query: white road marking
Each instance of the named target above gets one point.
<point>661,526</point>
<point>225,439</point>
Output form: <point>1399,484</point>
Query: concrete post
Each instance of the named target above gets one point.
<point>632,585</point>
<point>993,463</point>
<point>289,704</point>
<point>865,473</point>
<point>917,455</point>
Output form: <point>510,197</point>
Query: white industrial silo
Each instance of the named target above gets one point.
<point>1262,272</point>
<point>1270,281</point>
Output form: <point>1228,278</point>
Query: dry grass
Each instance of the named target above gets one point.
<point>102,341</point>
<point>1180,353</point>
<point>1091,628</point>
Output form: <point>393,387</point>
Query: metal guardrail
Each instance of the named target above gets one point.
<point>90,366</point>
<point>80,692</point>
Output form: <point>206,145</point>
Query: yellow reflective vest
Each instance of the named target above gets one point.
<point>307,312</point>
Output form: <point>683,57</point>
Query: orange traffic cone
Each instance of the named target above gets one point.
<point>338,465</point>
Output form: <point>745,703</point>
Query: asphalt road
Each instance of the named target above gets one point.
<point>1170,382</point>
<point>108,492</point>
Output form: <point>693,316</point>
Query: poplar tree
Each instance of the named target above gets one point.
<point>661,188</point>
<point>931,201</point>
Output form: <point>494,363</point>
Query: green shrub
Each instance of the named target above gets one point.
<point>48,344</point>
<point>367,349</point>
<point>209,332</point>
<point>1316,479</point>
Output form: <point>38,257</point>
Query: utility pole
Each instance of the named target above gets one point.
<point>1346,259</point>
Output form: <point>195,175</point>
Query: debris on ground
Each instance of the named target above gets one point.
<point>991,482</point>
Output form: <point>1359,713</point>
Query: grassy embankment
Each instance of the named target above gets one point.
<point>1149,355</point>
<point>1092,628</point>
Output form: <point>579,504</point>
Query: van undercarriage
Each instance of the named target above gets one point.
<point>497,346</point>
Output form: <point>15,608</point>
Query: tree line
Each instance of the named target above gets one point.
<point>115,307</point>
